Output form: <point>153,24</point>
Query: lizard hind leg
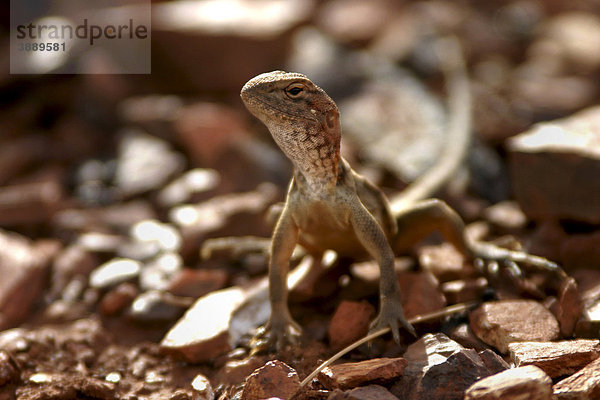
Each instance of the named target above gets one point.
<point>424,217</point>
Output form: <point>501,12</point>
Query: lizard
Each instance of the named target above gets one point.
<point>330,206</point>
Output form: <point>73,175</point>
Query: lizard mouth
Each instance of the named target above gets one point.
<point>249,98</point>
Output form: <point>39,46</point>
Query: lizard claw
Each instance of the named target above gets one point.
<point>276,334</point>
<point>388,317</point>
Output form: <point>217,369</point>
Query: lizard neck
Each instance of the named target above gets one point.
<point>315,154</point>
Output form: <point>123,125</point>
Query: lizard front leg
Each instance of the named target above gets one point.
<point>371,236</point>
<point>281,327</point>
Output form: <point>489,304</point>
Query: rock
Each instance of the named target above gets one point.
<point>438,366</point>
<point>354,21</point>
<point>31,203</point>
<point>190,282</point>
<point>24,267</point>
<point>9,370</point>
<point>202,388</point>
<point>232,214</point>
<point>349,375</point>
<point>463,334</point>
<point>349,323</point>
<point>493,362</point>
<point>420,293</point>
<point>579,251</point>
<point>499,323</point>
<point>514,384</point>
<point>506,214</point>
<point>274,379</point>
<point>165,236</point>
<point>370,392</point>
<point>442,260</point>
<point>157,306</point>
<point>555,358</point>
<point>235,371</point>
<point>157,273</point>
<point>583,384</point>
<point>117,299</point>
<point>73,261</point>
<point>464,290</point>
<point>203,332</point>
<point>113,272</point>
<point>184,30</point>
<point>563,158</point>
<point>182,189</point>
<point>569,307</point>
<point>144,163</point>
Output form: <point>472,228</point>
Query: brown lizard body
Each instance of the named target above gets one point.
<point>330,206</point>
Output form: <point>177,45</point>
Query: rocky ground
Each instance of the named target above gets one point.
<point>134,215</point>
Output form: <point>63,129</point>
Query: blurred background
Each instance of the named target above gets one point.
<point>112,162</point>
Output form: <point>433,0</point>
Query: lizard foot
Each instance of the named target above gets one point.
<point>489,258</point>
<point>276,334</point>
<point>390,313</point>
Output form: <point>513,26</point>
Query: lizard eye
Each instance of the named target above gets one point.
<point>295,90</point>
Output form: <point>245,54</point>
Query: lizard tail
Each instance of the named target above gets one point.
<point>458,131</point>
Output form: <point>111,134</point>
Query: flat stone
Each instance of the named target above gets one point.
<point>562,157</point>
<point>514,384</point>
<point>420,293</point>
<point>235,371</point>
<point>31,203</point>
<point>582,385</point>
<point>556,358</point>
<point>370,392</point>
<point>117,299</point>
<point>443,260</point>
<point>113,272</point>
<point>274,379</point>
<point>203,332</point>
<point>349,323</point>
<point>157,306</point>
<point>197,282</point>
<point>349,375</point>
<point>24,267</point>
<point>493,362</point>
<point>499,323</point>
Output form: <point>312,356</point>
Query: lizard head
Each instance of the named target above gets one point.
<point>302,118</point>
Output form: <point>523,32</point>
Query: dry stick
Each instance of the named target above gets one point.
<point>419,318</point>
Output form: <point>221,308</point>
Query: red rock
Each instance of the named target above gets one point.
<point>581,251</point>
<point>274,379</point>
<point>349,375</point>
<point>514,384</point>
<point>555,358</point>
<point>117,299</point>
<point>443,260</point>
<point>502,322</point>
<point>493,362</point>
<point>506,214</point>
<point>569,307</point>
<point>440,368</point>
<point>30,203</point>
<point>370,392</point>
<point>464,290</point>
<point>235,371</point>
<point>420,293</point>
<point>73,261</point>
<point>463,334</point>
<point>349,323</point>
<point>563,160</point>
<point>583,385</point>
<point>197,282</point>
<point>24,267</point>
